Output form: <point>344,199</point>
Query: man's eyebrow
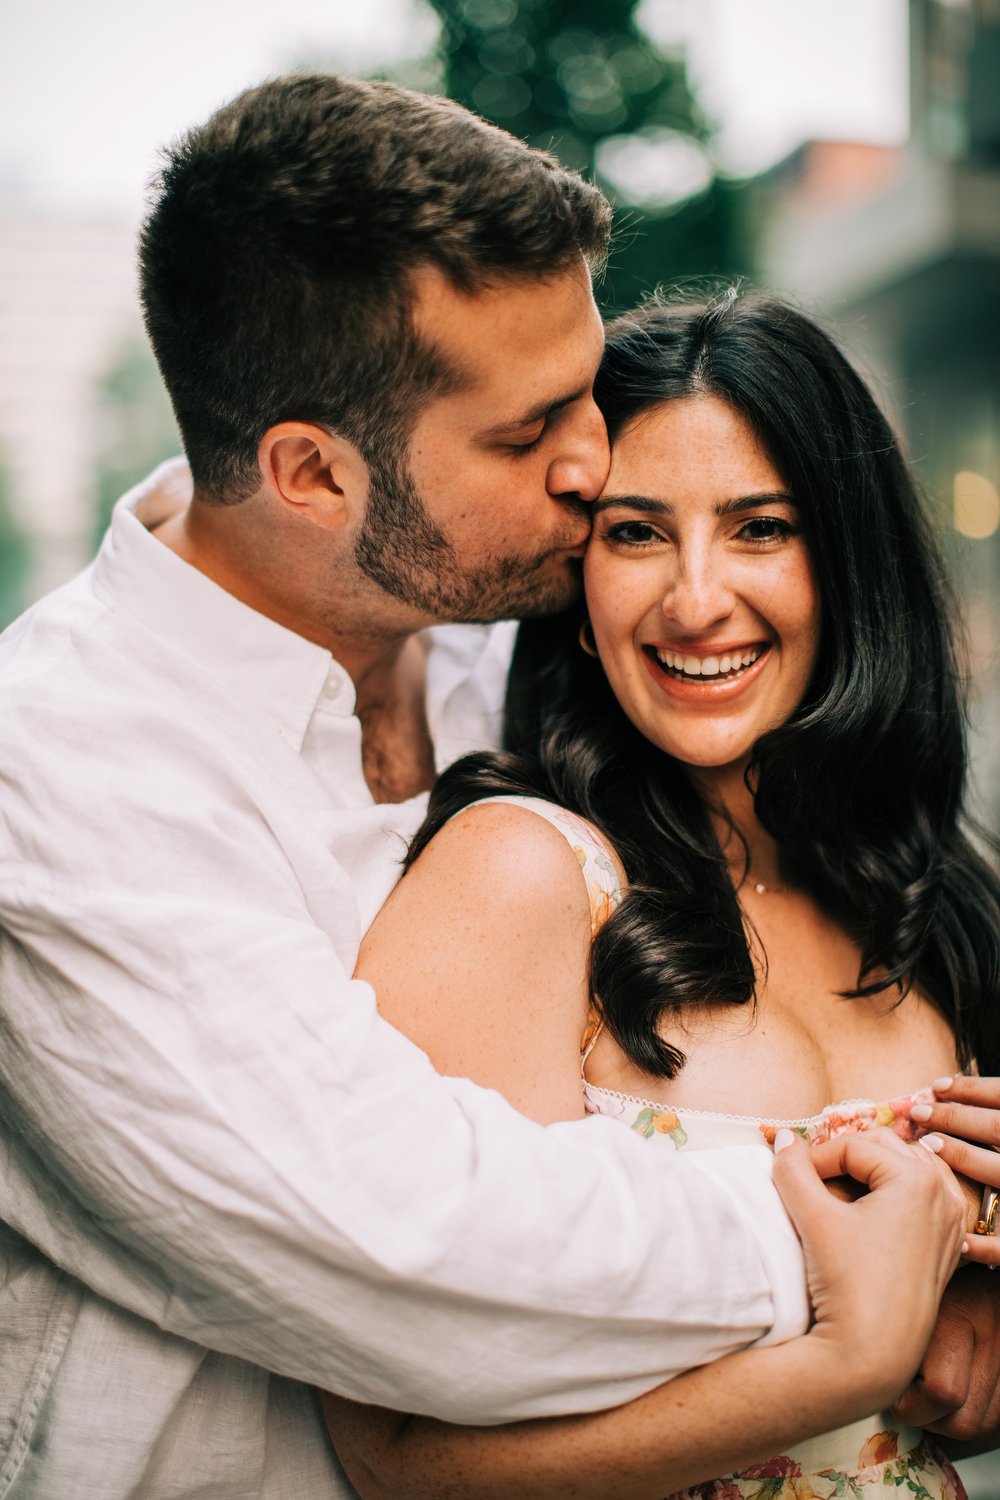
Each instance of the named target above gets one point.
<point>664,508</point>
<point>536,413</point>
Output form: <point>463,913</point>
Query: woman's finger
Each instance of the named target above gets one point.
<point>962,1089</point>
<point>859,1156</point>
<point>982,1249</point>
<point>977,1162</point>
<point>972,1122</point>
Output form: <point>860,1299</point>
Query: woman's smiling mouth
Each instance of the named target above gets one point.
<point>722,664</point>
<point>709,674</point>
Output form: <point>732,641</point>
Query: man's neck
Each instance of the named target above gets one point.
<point>397,755</point>
<point>388,668</point>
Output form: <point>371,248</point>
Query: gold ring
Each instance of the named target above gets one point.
<point>987,1222</point>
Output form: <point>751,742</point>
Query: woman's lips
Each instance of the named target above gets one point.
<point>708,677</point>
<point>718,663</point>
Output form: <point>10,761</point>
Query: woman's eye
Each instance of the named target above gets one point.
<point>765,529</point>
<point>632,533</point>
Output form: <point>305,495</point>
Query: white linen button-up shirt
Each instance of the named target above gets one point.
<point>216,1160</point>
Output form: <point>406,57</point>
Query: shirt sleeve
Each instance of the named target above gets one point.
<point>205,1120</point>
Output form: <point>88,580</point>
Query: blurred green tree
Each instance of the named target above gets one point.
<point>136,427</point>
<point>581,78</point>
<point>15,557</point>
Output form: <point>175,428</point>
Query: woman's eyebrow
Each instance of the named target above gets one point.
<point>750,502</point>
<point>664,508</point>
<point>633,502</point>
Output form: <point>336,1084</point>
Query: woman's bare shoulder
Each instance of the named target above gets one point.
<point>505,854</point>
<point>481,956</point>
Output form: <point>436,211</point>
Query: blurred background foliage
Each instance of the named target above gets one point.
<point>137,428</point>
<point>15,556</point>
<point>582,79</point>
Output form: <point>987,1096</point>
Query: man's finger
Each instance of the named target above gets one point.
<point>917,1407</point>
<point>942,1386</point>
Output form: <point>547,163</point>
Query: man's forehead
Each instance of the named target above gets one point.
<point>513,303</point>
<point>524,329</point>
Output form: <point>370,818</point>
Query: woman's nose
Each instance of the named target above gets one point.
<point>699,593</point>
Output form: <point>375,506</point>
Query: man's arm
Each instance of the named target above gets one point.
<point>876,1285</point>
<point>208,1123</point>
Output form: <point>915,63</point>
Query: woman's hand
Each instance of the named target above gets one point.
<point>877,1267</point>
<point>966,1114</point>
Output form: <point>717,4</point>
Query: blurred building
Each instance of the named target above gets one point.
<point>900,248</point>
<point>67,311</point>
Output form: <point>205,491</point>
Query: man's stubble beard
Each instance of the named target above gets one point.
<point>400,548</point>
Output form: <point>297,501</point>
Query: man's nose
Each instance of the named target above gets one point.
<point>580,469</point>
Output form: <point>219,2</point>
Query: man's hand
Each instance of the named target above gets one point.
<point>957,1391</point>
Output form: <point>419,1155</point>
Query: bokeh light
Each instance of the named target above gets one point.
<point>976,505</point>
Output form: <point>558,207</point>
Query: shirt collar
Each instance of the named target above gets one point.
<point>252,658</point>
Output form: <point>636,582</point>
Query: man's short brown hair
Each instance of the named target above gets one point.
<point>277,255</point>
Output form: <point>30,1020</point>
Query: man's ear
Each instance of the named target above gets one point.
<point>314,473</point>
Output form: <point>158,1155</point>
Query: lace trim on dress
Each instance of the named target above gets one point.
<point>843,1106</point>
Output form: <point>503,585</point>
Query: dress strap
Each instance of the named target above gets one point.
<point>598,863</point>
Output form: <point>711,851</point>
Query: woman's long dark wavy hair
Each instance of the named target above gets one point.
<point>862,788</point>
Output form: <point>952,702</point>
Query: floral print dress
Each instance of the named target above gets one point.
<point>867,1460</point>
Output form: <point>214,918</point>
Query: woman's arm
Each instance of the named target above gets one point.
<point>877,1269</point>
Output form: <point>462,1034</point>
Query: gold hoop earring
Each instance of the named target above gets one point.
<point>587,640</point>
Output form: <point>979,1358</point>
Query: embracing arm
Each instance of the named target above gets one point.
<point>876,1268</point>
<point>204,1119</point>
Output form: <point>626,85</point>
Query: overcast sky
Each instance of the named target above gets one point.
<point>88,91</point>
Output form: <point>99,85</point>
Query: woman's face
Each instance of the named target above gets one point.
<point>699,584</point>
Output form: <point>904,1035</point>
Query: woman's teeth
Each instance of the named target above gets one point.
<point>707,666</point>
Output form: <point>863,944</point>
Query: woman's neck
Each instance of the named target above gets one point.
<point>752,853</point>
